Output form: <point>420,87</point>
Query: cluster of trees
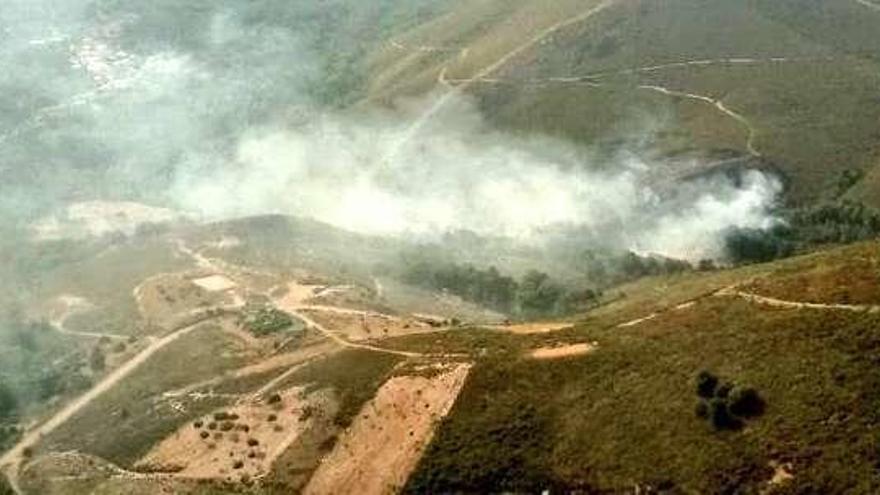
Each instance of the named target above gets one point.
<point>265,320</point>
<point>725,405</point>
<point>837,222</point>
<point>535,294</point>
<point>604,268</point>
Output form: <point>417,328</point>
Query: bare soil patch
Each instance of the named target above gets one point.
<point>298,293</point>
<point>215,283</point>
<point>168,299</point>
<point>388,437</point>
<point>243,440</point>
<point>532,328</point>
<point>563,351</point>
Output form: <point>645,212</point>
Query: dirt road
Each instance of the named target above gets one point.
<point>720,105</point>
<point>781,303</point>
<point>11,460</point>
<point>733,291</point>
<point>71,305</point>
<point>294,310</point>
<point>487,71</point>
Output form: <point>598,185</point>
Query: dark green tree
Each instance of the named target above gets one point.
<point>8,402</point>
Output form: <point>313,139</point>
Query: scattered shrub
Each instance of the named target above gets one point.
<point>746,402</point>
<point>706,384</point>
<point>720,417</point>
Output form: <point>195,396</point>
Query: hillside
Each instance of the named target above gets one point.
<point>231,370</point>
<point>622,417</point>
<point>797,81</point>
<point>440,246</point>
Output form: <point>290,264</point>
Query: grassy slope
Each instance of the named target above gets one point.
<point>124,423</point>
<point>814,118</point>
<point>624,415</point>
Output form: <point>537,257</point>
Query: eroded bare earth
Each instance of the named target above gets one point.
<point>243,440</point>
<point>384,444</point>
<point>563,351</point>
<point>532,328</point>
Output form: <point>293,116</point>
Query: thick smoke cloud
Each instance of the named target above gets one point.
<point>208,107</point>
<point>460,174</point>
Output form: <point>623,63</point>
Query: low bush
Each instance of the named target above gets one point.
<point>745,402</point>
<point>725,405</point>
<point>706,384</point>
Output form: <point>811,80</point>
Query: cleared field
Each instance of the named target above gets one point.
<point>384,443</point>
<point>238,442</point>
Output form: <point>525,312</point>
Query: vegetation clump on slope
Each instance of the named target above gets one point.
<point>724,405</point>
<point>264,320</point>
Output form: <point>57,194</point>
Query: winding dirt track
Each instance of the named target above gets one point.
<point>591,80</point>
<point>72,306</point>
<point>732,291</point>
<point>720,105</point>
<point>781,303</point>
<point>487,71</point>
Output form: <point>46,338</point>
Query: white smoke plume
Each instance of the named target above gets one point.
<point>462,175</point>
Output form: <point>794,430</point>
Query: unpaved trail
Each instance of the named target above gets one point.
<point>486,71</point>
<point>638,321</point>
<point>733,291</point>
<point>11,460</point>
<point>591,78</point>
<point>71,305</point>
<point>717,103</point>
<point>781,303</point>
<point>563,351</point>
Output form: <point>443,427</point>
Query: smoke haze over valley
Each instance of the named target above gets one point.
<point>218,117</point>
